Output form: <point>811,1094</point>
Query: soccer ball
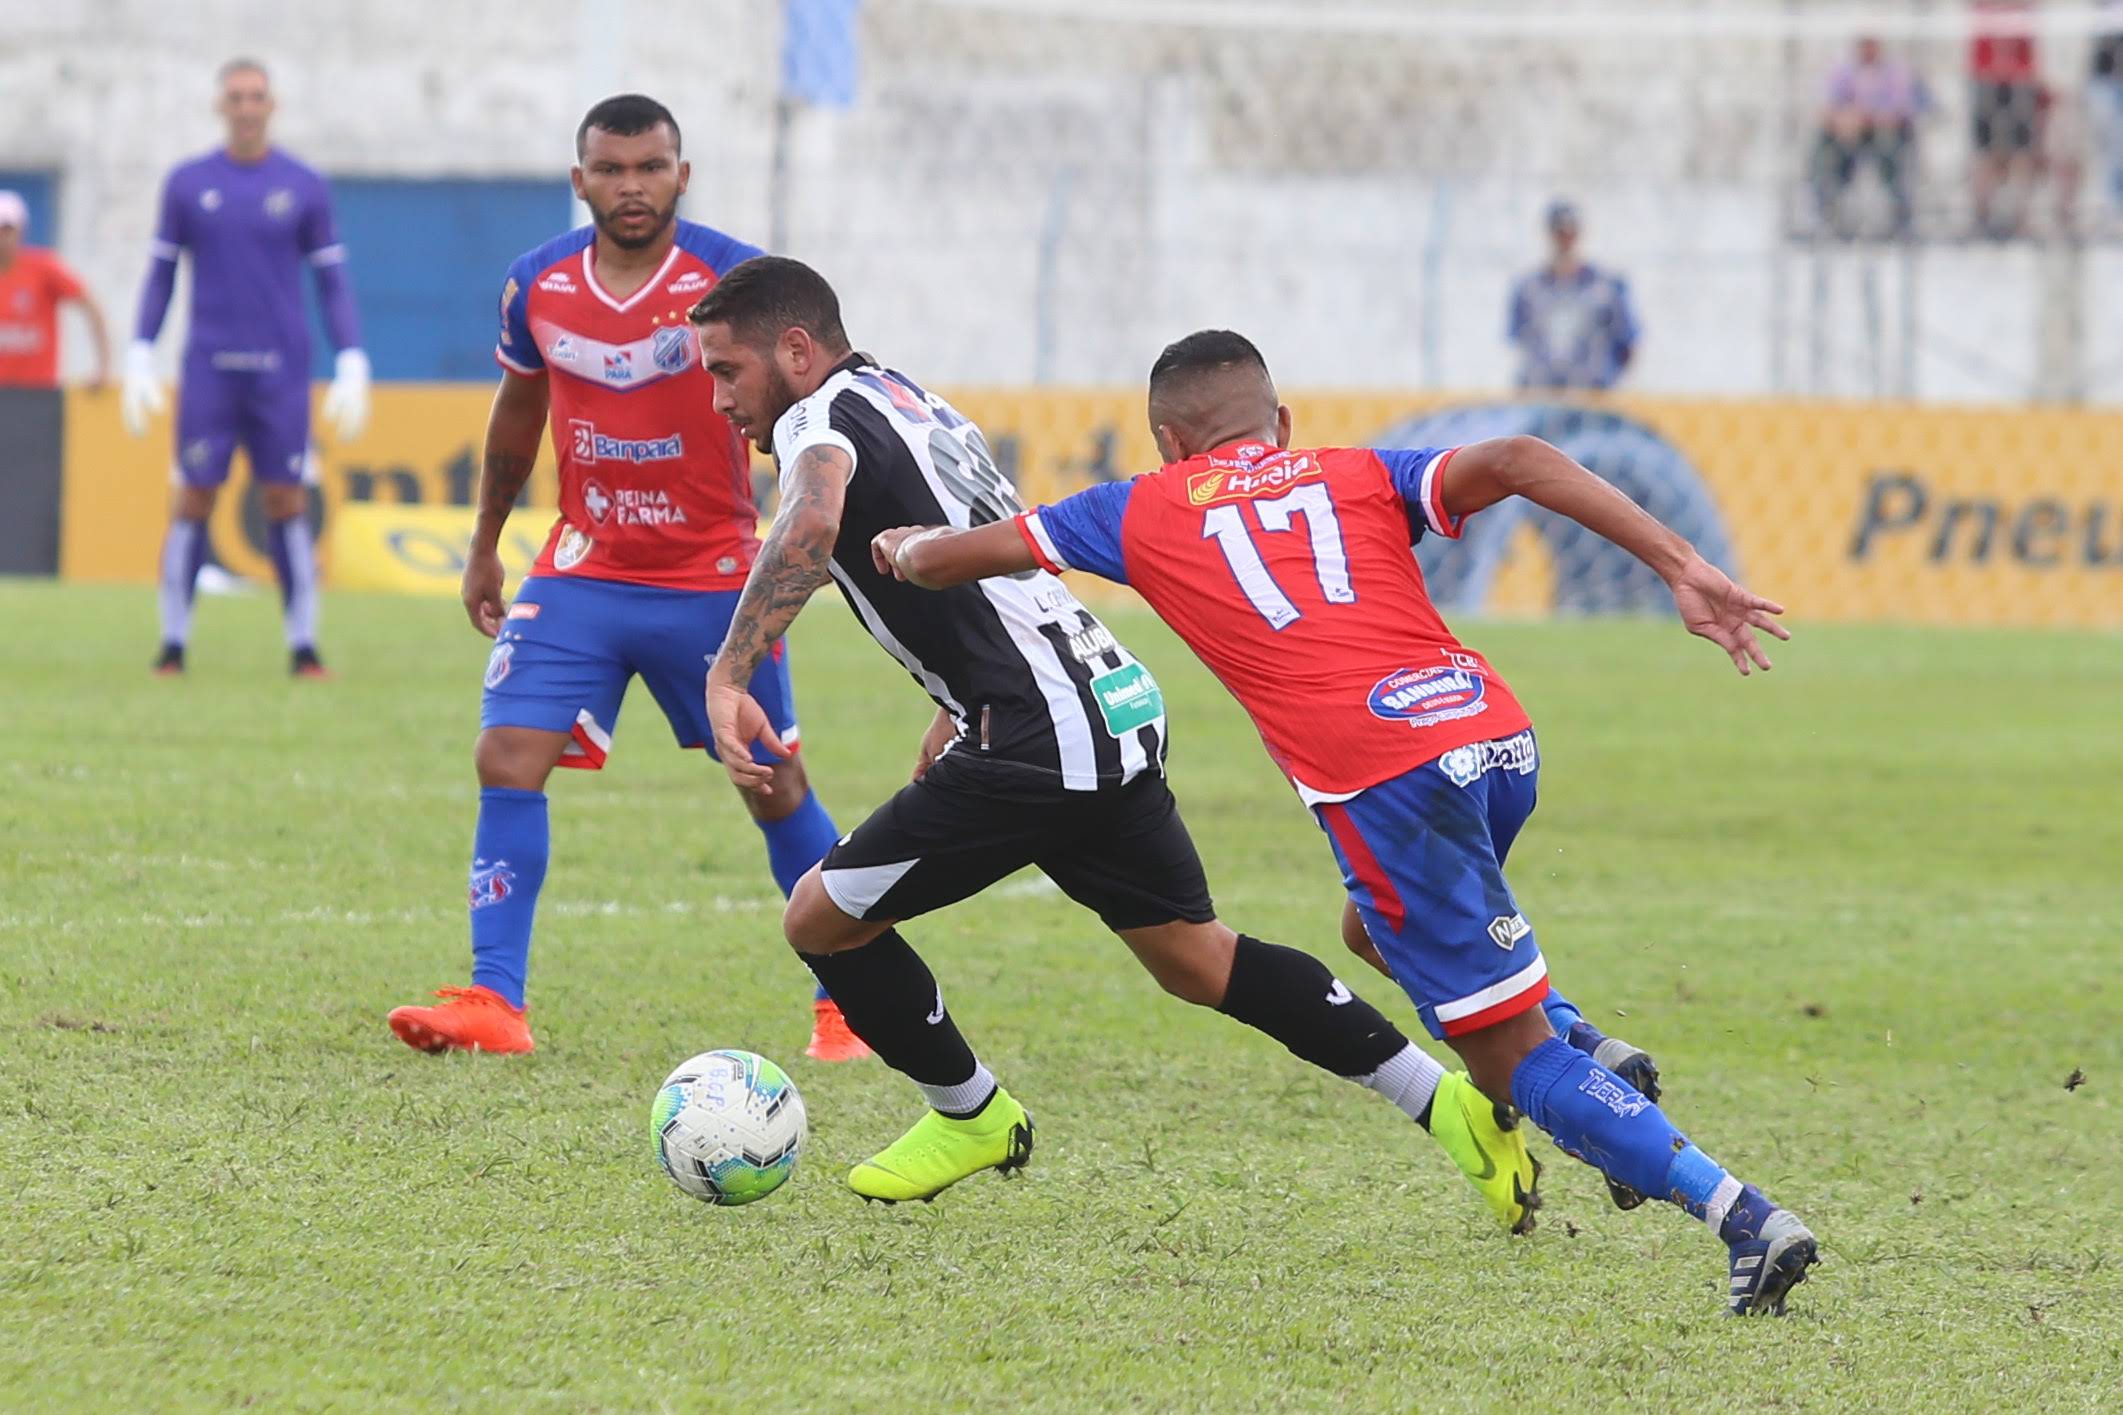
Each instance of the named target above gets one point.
<point>728,1126</point>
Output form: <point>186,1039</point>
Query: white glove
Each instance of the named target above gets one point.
<point>142,396</point>
<point>346,402</point>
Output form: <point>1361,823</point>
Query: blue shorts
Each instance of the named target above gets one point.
<point>1422,856</point>
<point>569,647</point>
<point>267,411</point>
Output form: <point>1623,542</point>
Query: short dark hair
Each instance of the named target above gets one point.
<point>624,115</point>
<point>761,297</point>
<point>1202,352</point>
<point>241,64</point>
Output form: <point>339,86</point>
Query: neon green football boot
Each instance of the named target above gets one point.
<point>939,1151</point>
<point>1485,1141</point>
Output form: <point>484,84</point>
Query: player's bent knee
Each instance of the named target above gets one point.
<point>281,503</point>
<point>1494,1052</point>
<point>193,503</point>
<point>520,758</point>
<point>813,923</point>
<point>1190,961</point>
<point>791,786</point>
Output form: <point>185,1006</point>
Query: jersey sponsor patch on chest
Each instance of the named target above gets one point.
<point>1424,697</point>
<point>1128,698</point>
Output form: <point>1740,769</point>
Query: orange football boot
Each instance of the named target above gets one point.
<point>467,1019</point>
<point>830,1038</point>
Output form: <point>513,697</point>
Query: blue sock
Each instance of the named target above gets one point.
<point>509,851</point>
<point>1562,1015</point>
<point>796,842</point>
<point>1604,1121</point>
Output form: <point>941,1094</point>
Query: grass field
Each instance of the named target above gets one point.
<point>1867,911</point>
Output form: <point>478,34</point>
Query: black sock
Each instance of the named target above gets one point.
<point>891,1001</point>
<point>1295,999</point>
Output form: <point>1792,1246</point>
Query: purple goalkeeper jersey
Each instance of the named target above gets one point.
<point>251,228</point>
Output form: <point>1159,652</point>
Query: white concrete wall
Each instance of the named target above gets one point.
<point>1359,202</point>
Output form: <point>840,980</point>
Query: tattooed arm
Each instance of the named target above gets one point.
<point>514,428</point>
<point>793,562</point>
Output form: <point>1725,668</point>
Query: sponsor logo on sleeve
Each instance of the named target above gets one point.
<point>1424,697</point>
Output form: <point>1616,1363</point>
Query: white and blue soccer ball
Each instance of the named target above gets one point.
<point>728,1126</point>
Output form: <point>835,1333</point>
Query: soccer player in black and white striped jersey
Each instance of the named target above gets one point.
<point>1047,749</point>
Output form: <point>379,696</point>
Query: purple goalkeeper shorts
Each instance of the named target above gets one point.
<point>266,410</point>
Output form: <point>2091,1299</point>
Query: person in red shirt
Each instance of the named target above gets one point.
<point>640,573</point>
<point>34,283</point>
<point>1288,571</point>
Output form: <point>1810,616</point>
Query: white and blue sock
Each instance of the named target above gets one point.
<point>183,552</point>
<point>509,852</point>
<point>796,842</point>
<point>1603,1120</point>
<point>295,563</point>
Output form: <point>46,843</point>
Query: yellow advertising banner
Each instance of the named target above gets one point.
<point>1844,511</point>
<point>377,545</point>
<point>421,449</point>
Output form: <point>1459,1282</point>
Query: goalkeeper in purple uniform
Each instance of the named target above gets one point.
<point>252,218</point>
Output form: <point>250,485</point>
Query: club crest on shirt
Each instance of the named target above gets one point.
<point>571,549</point>
<point>210,199</point>
<point>1424,697</point>
<point>279,203</point>
<point>671,350</point>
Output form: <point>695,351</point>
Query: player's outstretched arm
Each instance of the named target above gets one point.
<point>938,557</point>
<point>794,561</point>
<point>514,426</point>
<point>1711,605</point>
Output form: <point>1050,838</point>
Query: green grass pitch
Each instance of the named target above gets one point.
<point>1867,912</point>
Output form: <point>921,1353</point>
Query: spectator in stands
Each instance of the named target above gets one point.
<point>2006,102</point>
<point>34,283</point>
<point>2104,99</point>
<point>1571,321</point>
<point>1870,116</point>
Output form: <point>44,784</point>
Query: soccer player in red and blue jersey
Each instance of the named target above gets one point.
<point>640,574</point>
<point>1289,572</point>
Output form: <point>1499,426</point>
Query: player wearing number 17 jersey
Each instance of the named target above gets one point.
<point>1048,749</point>
<point>1287,570</point>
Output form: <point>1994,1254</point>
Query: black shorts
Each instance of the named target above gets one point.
<point>1120,851</point>
<point>2005,117</point>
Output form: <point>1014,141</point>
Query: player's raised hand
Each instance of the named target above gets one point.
<point>1727,614</point>
<point>738,721</point>
<point>482,590</point>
